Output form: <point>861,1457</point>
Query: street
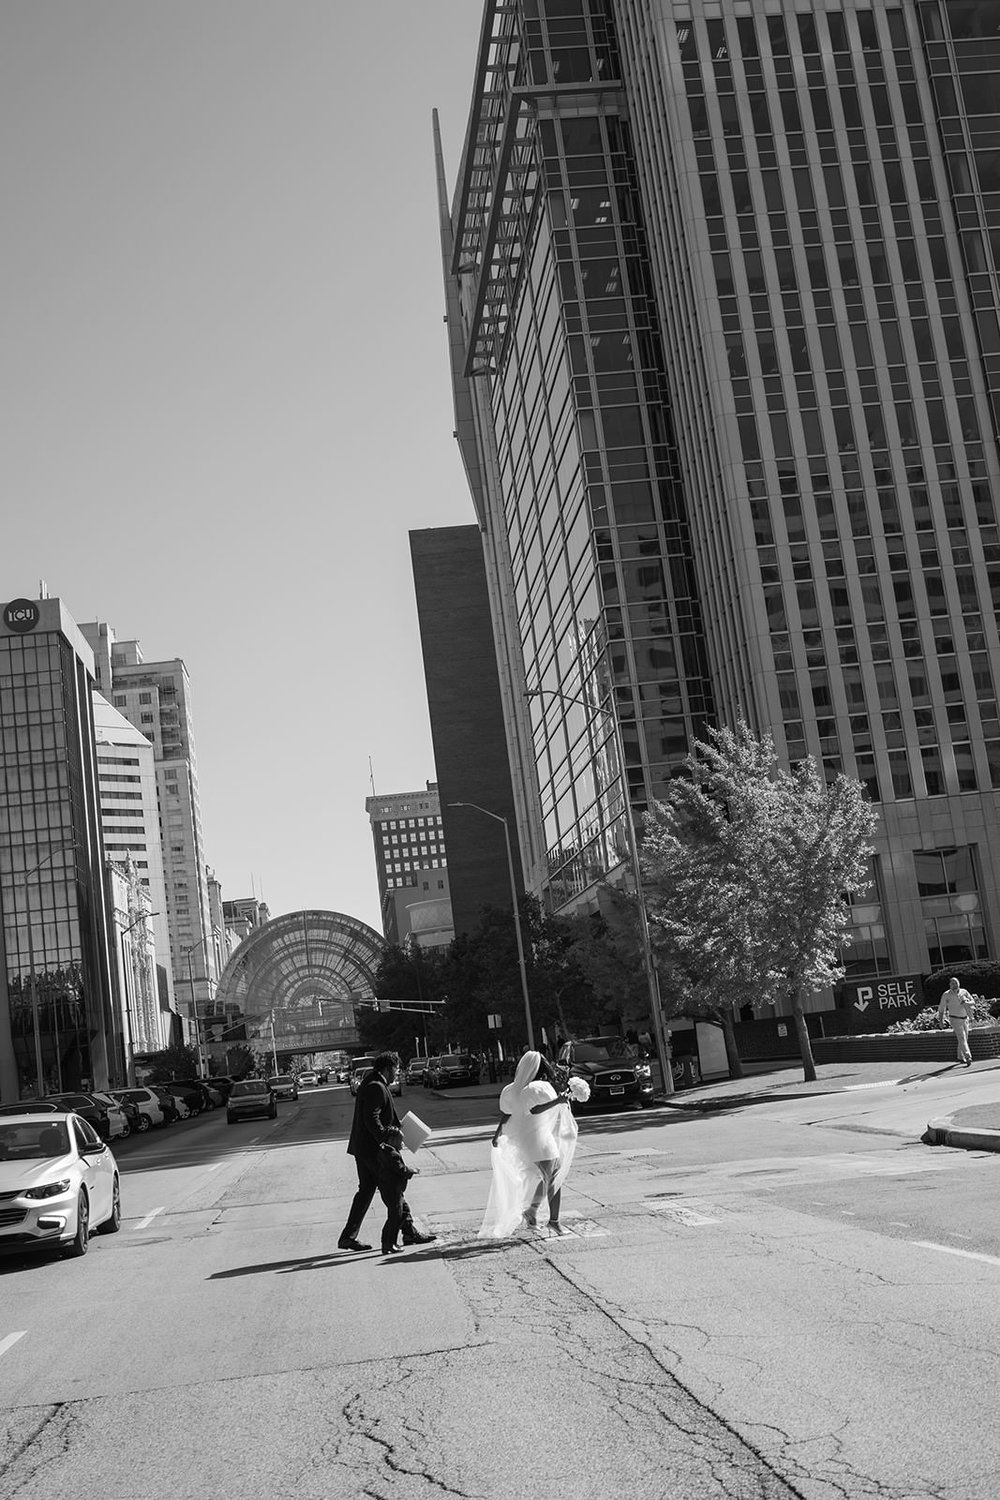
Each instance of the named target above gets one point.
<point>793,1299</point>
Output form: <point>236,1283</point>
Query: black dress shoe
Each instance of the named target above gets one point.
<point>346,1244</point>
<point>416,1238</point>
<point>392,1249</point>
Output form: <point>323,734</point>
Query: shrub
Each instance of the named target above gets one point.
<point>979,976</point>
<point>927,1019</point>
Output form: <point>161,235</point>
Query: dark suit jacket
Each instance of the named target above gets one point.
<point>374,1116</point>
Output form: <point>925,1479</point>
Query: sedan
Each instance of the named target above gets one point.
<point>107,1119</point>
<point>283,1086</point>
<point>58,1180</point>
<point>250,1098</point>
<point>308,1079</point>
<point>416,1070</point>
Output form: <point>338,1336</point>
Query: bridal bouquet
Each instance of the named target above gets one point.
<point>579,1089</point>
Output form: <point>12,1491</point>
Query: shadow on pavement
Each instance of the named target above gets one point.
<point>284,1267</point>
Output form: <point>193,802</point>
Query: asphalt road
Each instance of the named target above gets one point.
<point>791,1299</point>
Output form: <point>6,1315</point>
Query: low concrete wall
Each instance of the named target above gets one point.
<point>920,1046</point>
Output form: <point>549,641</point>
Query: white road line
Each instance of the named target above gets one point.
<point>213,1166</point>
<point>145,1223</point>
<point>11,1340</point>
<point>991,1260</point>
<point>899,1224</point>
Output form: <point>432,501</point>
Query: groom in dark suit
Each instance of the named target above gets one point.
<point>374,1131</point>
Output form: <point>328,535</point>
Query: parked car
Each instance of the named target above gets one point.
<point>283,1086</point>
<point>362,1065</point>
<point>149,1109</point>
<point>191,1097</point>
<point>416,1070</point>
<point>308,1079</point>
<point>453,1068</point>
<point>174,1108</point>
<point>222,1084</point>
<point>108,1119</point>
<point>613,1069</point>
<point>251,1097</point>
<point>429,1065</point>
<point>127,1108</point>
<point>58,1180</point>
<point>343,1074</point>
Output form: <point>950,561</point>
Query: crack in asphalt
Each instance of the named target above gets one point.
<point>36,1462</point>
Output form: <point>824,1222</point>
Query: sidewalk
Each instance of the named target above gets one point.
<point>975,1127</point>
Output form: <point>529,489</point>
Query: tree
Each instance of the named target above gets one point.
<point>606,948</point>
<point>747,865</point>
<point>173,1062</point>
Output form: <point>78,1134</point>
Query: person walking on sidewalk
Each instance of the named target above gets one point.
<point>373,1144</point>
<point>956,1008</point>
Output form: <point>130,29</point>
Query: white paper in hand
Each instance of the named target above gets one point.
<point>415,1132</point>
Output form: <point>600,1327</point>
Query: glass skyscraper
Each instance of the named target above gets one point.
<point>723,318</point>
<point>56,998</point>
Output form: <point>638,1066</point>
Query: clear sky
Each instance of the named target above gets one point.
<point>224,383</point>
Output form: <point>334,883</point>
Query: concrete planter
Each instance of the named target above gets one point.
<point>916,1046</point>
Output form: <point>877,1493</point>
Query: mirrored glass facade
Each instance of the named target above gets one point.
<point>723,309</point>
<point>55,982</point>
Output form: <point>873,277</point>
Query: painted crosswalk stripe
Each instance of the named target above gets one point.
<point>991,1260</point>
<point>145,1223</point>
<point>11,1340</point>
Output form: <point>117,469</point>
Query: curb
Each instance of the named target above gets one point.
<point>943,1133</point>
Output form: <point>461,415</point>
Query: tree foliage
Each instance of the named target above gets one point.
<point>747,865</point>
<point>173,1062</point>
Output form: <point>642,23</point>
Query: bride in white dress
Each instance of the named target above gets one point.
<point>532,1150</point>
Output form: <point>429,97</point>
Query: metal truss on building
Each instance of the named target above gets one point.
<point>304,974</point>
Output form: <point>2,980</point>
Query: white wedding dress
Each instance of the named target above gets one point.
<point>524,1140</point>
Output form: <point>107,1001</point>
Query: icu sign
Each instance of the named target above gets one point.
<point>21,615</point>
<point>883,994</point>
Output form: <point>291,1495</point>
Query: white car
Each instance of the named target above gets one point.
<point>118,1120</point>
<point>149,1107</point>
<point>58,1181</point>
<point>308,1079</point>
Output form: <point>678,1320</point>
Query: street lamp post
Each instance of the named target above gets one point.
<point>56,849</point>
<point>652,978</point>
<point>517,916</point>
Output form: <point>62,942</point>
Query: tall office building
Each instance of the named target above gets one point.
<point>156,698</point>
<point>411,866</point>
<point>723,318</point>
<point>466,714</point>
<point>126,778</point>
<point>59,1025</point>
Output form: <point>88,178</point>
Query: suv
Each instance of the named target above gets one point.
<point>250,1097</point>
<point>612,1067</point>
<point>454,1067</point>
<point>362,1065</point>
<point>308,1079</point>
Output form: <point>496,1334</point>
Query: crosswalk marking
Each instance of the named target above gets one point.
<point>11,1340</point>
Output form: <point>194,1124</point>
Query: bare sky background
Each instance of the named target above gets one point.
<point>224,384</point>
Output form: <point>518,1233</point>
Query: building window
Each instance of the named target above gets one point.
<point>949,900</point>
